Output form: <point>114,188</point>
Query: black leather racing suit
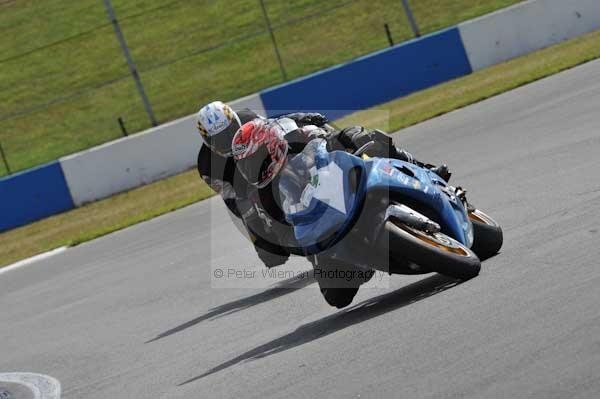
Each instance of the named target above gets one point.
<point>220,173</point>
<point>223,177</point>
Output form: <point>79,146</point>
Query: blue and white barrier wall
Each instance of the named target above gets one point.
<point>103,171</point>
<point>374,79</point>
<point>33,194</point>
<point>525,28</point>
<point>365,82</point>
<point>139,159</point>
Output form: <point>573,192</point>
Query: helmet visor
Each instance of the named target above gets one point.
<point>221,143</point>
<point>256,167</point>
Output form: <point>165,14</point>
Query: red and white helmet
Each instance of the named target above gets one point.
<point>260,151</point>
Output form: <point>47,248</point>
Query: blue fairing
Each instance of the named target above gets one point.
<point>322,200</point>
<point>423,187</point>
<point>320,218</point>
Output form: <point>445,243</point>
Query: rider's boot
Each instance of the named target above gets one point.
<point>441,170</point>
<point>339,282</point>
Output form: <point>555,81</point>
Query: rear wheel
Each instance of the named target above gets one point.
<point>433,251</point>
<point>487,235</point>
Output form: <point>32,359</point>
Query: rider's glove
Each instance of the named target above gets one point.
<point>313,118</point>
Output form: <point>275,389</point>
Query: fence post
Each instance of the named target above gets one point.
<point>132,67</point>
<point>389,34</point>
<point>411,18</point>
<point>4,159</point>
<point>270,29</point>
<point>122,124</point>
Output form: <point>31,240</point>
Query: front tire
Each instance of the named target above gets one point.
<point>487,235</point>
<point>435,252</point>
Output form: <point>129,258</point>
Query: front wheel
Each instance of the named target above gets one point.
<point>433,251</point>
<point>487,235</point>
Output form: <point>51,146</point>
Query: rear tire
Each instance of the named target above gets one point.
<point>487,235</point>
<point>436,252</point>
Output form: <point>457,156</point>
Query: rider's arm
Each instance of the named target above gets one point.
<point>301,118</point>
<point>298,138</point>
<point>307,118</point>
<point>217,172</point>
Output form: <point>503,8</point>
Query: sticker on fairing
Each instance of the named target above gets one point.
<point>309,191</point>
<point>387,169</point>
<point>403,179</point>
<point>307,195</point>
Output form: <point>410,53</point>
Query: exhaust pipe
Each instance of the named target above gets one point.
<point>412,218</point>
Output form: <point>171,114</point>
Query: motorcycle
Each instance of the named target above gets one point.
<point>364,214</point>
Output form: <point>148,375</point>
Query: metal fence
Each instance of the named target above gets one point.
<point>66,84</point>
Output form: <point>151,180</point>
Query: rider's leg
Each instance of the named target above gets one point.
<point>357,136</point>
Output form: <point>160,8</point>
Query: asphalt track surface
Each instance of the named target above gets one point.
<point>133,314</point>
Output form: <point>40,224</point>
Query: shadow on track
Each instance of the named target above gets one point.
<point>356,314</point>
<point>279,289</point>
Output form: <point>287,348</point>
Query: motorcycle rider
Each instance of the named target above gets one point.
<point>258,209</point>
<point>261,150</point>
<point>217,123</point>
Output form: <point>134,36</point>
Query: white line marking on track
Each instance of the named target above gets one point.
<point>31,260</point>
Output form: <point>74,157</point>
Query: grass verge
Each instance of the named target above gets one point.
<point>146,202</point>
